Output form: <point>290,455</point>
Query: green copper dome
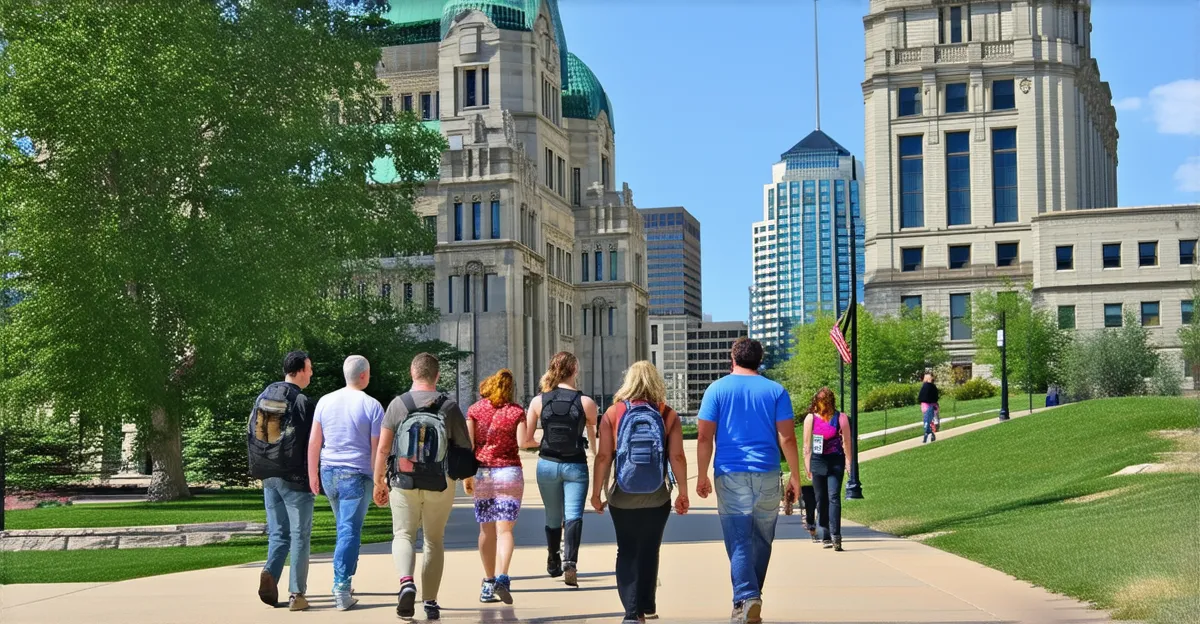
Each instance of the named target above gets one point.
<point>584,96</point>
<point>429,21</point>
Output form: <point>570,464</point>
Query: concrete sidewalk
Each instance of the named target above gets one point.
<point>879,578</point>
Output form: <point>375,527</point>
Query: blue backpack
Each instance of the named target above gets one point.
<point>641,462</point>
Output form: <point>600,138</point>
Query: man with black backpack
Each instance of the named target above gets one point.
<point>278,433</point>
<point>424,446</point>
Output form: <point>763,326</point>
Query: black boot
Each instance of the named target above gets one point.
<point>574,533</point>
<point>553,544</point>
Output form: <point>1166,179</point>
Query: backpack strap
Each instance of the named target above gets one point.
<point>407,400</point>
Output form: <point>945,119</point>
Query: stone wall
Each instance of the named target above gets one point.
<point>128,537</point>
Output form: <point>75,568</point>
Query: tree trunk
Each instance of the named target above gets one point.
<point>167,481</point>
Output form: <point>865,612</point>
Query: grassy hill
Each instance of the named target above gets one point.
<point>1035,499</point>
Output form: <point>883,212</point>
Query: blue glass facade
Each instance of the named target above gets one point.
<point>673,261</point>
<point>802,251</point>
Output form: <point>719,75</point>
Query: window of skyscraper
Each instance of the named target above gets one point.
<point>956,97</point>
<point>1006,254</point>
<point>909,101</point>
<point>1186,310</point>
<point>1112,255</point>
<point>1148,254</point>
<point>1150,316</point>
<point>1187,252</point>
<point>912,182</point>
<point>960,306</point>
<point>476,220</point>
<point>958,178</point>
<point>1004,175</point>
<point>458,216</point>
<point>956,34</point>
<point>1003,95</point>
<point>910,302</point>
<point>911,259</point>
<point>495,218</point>
<point>1112,315</point>
<point>584,275</point>
<point>960,256</point>
<point>1064,257</point>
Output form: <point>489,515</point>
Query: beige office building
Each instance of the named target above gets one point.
<point>691,354</point>
<point>538,249</point>
<point>989,137</point>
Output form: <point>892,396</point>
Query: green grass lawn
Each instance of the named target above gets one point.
<point>115,565</point>
<point>875,421</point>
<point>1003,497</point>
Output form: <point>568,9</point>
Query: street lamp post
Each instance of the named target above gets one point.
<point>1003,369</point>
<point>853,485</point>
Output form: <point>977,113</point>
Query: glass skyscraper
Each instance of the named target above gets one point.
<point>673,261</point>
<point>802,245</point>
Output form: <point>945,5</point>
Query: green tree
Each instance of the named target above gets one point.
<point>1111,362</point>
<point>1189,335</point>
<point>900,347</point>
<point>198,174</point>
<point>1036,346</point>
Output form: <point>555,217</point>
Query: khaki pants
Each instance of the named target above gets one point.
<point>428,511</point>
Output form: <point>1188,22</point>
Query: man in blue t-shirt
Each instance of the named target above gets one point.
<point>750,418</point>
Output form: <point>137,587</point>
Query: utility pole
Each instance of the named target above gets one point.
<point>853,485</point>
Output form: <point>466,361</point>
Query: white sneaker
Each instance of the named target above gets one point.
<point>344,600</point>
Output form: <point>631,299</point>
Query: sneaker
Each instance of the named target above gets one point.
<point>343,600</point>
<point>837,544</point>
<point>268,589</point>
<point>812,532</point>
<point>650,616</point>
<point>827,543</point>
<point>432,610</point>
<point>504,589</point>
<point>406,600</point>
<point>570,576</point>
<point>297,602</point>
<point>487,591</point>
<point>738,612</point>
<point>753,610</point>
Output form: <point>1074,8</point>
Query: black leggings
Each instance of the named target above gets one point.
<point>639,537</point>
<point>827,473</point>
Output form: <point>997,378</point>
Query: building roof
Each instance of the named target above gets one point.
<point>429,21</point>
<point>816,141</point>
<point>584,96</point>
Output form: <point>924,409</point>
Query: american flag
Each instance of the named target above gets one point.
<point>839,330</point>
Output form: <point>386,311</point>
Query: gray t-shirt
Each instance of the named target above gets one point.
<point>456,423</point>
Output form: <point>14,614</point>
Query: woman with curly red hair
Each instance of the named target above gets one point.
<point>496,425</point>
<point>827,445</point>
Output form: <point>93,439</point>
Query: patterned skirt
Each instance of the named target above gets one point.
<point>498,494</point>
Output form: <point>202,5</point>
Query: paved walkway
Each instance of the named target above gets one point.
<point>879,578</point>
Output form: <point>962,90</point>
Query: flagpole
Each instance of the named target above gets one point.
<point>853,485</point>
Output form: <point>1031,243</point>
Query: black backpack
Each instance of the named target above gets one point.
<point>563,422</point>
<point>274,435</point>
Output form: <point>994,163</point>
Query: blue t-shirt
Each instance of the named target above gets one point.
<point>745,409</point>
<point>349,418</point>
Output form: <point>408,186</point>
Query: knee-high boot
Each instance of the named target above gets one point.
<point>553,544</point>
<point>571,539</point>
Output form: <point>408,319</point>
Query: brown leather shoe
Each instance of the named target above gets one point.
<point>268,589</point>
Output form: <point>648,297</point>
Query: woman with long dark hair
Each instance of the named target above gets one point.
<point>827,448</point>
<point>568,423</point>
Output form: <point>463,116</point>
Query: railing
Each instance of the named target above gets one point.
<point>998,50</point>
<point>950,54</point>
<point>906,56</point>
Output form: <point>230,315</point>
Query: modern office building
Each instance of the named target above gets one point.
<point>672,261</point>
<point>538,250</point>
<point>802,244</point>
<point>980,116</point>
<point>691,354</point>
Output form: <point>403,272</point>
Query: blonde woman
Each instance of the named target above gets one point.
<point>496,424</point>
<point>566,416</point>
<point>640,516</point>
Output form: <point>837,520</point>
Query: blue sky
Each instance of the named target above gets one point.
<point>707,94</point>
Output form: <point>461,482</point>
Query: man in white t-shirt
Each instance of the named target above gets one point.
<point>344,437</point>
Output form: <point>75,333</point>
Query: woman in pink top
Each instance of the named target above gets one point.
<point>827,446</point>
<point>496,423</point>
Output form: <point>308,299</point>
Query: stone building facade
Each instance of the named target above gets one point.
<point>537,250</point>
<point>980,118</point>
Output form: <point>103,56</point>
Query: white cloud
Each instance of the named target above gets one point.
<point>1128,104</point>
<point>1187,176</point>
<point>1177,107</point>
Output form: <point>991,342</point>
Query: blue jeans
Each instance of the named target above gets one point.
<point>748,503</point>
<point>289,528</point>
<point>349,493</point>
<point>564,489</point>
<point>927,419</point>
